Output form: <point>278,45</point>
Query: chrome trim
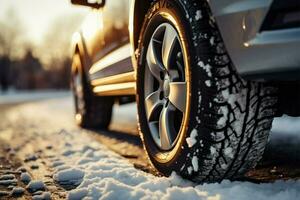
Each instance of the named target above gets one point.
<point>120,78</point>
<point>116,89</point>
<point>116,56</point>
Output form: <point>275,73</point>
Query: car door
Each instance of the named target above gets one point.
<point>114,57</point>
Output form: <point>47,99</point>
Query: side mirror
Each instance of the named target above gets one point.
<point>90,3</point>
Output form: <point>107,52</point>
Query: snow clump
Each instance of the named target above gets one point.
<point>69,176</point>
<point>192,139</point>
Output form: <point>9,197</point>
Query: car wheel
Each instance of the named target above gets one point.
<point>197,116</point>
<point>90,111</point>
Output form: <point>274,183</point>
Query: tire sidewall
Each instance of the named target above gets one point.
<point>172,160</point>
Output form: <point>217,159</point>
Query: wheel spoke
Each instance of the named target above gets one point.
<point>152,102</point>
<point>169,41</point>
<point>165,86</point>
<point>153,62</point>
<point>165,131</point>
<point>177,95</point>
<point>154,130</point>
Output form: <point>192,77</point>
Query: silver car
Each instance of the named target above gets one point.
<point>208,77</point>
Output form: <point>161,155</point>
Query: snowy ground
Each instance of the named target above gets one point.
<point>66,162</point>
<point>13,96</point>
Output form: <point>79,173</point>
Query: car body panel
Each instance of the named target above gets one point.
<point>118,61</point>
<point>255,52</point>
<point>102,33</point>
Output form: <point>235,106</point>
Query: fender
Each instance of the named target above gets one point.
<point>78,46</point>
<point>138,10</point>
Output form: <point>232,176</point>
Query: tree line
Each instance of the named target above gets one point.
<point>27,66</point>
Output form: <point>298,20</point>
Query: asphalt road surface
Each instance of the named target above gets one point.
<point>27,143</point>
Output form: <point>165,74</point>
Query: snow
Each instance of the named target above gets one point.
<point>36,185</point>
<point>190,169</point>
<point>195,163</point>
<point>207,68</point>
<point>224,111</point>
<point>14,96</point>
<point>103,174</point>
<point>222,121</point>
<point>228,152</point>
<point>192,139</point>
<point>208,83</point>
<point>213,150</point>
<point>198,15</point>
<point>224,166</point>
<point>78,194</point>
<point>71,175</point>
<point>212,41</point>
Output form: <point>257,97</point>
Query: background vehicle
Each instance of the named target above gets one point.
<point>209,77</point>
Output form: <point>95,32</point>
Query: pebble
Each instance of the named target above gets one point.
<point>57,163</point>
<point>35,166</point>
<point>274,171</point>
<point>7,177</point>
<point>38,192</point>
<point>10,187</point>
<point>31,158</point>
<point>21,169</point>
<point>3,193</point>
<point>25,177</point>
<point>17,191</point>
<point>7,149</point>
<point>8,182</point>
<point>43,196</point>
<point>12,153</point>
<point>39,151</point>
<point>35,185</point>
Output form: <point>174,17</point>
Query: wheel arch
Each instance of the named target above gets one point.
<point>78,47</point>
<point>138,10</point>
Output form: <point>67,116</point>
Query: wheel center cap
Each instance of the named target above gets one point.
<point>166,86</point>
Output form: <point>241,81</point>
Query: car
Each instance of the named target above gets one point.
<point>208,77</point>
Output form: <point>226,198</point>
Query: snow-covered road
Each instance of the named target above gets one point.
<point>77,164</point>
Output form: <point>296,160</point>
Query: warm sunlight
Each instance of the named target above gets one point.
<point>150,99</point>
<point>38,15</point>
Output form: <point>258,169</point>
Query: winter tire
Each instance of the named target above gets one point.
<point>197,116</point>
<point>90,111</point>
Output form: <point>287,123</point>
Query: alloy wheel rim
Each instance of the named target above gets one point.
<point>165,86</point>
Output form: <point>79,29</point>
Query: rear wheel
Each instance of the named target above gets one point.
<point>91,111</point>
<point>197,116</point>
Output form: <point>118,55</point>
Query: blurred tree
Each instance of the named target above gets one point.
<point>4,73</point>
<point>11,36</point>
<point>56,44</point>
<point>36,66</point>
<point>55,49</point>
<point>28,71</point>
<point>10,45</point>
